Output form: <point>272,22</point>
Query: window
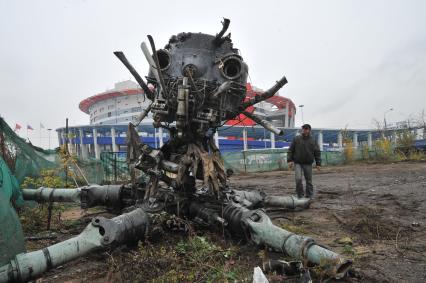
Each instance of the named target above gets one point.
<point>110,107</point>
<point>109,114</point>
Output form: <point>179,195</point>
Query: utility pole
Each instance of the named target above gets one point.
<point>301,111</point>
<point>49,130</point>
<point>384,119</point>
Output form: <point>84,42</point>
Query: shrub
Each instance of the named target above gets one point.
<point>365,151</point>
<point>384,149</point>
<point>34,219</point>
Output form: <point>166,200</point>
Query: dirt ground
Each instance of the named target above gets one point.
<point>375,214</point>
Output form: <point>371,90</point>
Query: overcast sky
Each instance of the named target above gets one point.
<point>346,61</point>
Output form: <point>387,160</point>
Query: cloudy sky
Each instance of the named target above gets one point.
<point>346,61</point>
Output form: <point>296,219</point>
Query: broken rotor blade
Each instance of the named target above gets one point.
<point>157,65</point>
<point>222,88</point>
<point>151,62</point>
<point>120,55</point>
<point>100,233</point>
<point>259,228</point>
<point>264,123</point>
<point>218,38</point>
<point>44,194</point>
<point>143,114</point>
<point>265,95</point>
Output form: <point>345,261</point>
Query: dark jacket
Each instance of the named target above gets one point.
<point>304,150</point>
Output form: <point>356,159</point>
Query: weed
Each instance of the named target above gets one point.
<point>384,149</point>
<point>405,139</point>
<point>200,248</point>
<point>349,250</point>
<point>34,219</point>
<point>417,155</point>
<point>348,150</point>
<point>365,152</point>
<point>183,259</point>
<point>297,229</point>
<point>47,178</point>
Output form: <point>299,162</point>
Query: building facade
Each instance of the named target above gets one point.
<point>117,106</point>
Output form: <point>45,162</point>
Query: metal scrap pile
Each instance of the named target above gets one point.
<point>196,83</point>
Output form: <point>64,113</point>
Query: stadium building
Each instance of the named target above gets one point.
<point>120,105</point>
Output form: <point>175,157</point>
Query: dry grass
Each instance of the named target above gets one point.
<point>348,152</point>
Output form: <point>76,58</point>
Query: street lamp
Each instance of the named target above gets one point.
<point>301,111</point>
<point>384,117</point>
<point>49,130</point>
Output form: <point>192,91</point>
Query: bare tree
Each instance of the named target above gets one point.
<point>423,123</point>
<point>379,126</point>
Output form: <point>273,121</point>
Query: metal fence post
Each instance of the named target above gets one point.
<point>115,167</point>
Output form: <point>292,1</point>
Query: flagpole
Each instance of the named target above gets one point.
<point>40,136</point>
<point>49,136</point>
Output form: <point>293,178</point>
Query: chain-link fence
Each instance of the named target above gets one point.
<point>115,167</point>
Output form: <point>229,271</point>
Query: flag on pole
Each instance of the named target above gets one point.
<point>29,128</point>
<point>17,127</point>
<point>41,126</point>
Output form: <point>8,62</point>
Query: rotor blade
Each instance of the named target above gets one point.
<point>218,38</point>
<point>143,114</point>
<point>120,55</point>
<point>264,123</point>
<point>267,94</point>
<point>151,62</point>
<point>157,65</point>
<point>222,88</point>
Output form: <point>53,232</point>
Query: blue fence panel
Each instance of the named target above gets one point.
<point>104,140</point>
<point>226,145</point>
<point>420,144</point>
<point>87,140</point>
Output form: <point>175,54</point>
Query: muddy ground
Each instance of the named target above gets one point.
<point>380,208</point>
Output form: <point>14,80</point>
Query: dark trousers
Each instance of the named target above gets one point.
<point>306,170</point>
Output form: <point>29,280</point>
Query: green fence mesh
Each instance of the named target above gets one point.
<point>270,160</point>
<point>115,167</point>
<point>11,235</point>
<point>256,160</point>
<point>332,158</point>
<point>18,159</point>
<point>92,170</point>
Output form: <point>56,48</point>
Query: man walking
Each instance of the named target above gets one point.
<point>302,152</point>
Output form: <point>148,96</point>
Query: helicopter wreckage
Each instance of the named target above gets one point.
<point>195,84</point>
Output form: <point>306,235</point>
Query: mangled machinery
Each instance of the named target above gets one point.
<point>195,84</point>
